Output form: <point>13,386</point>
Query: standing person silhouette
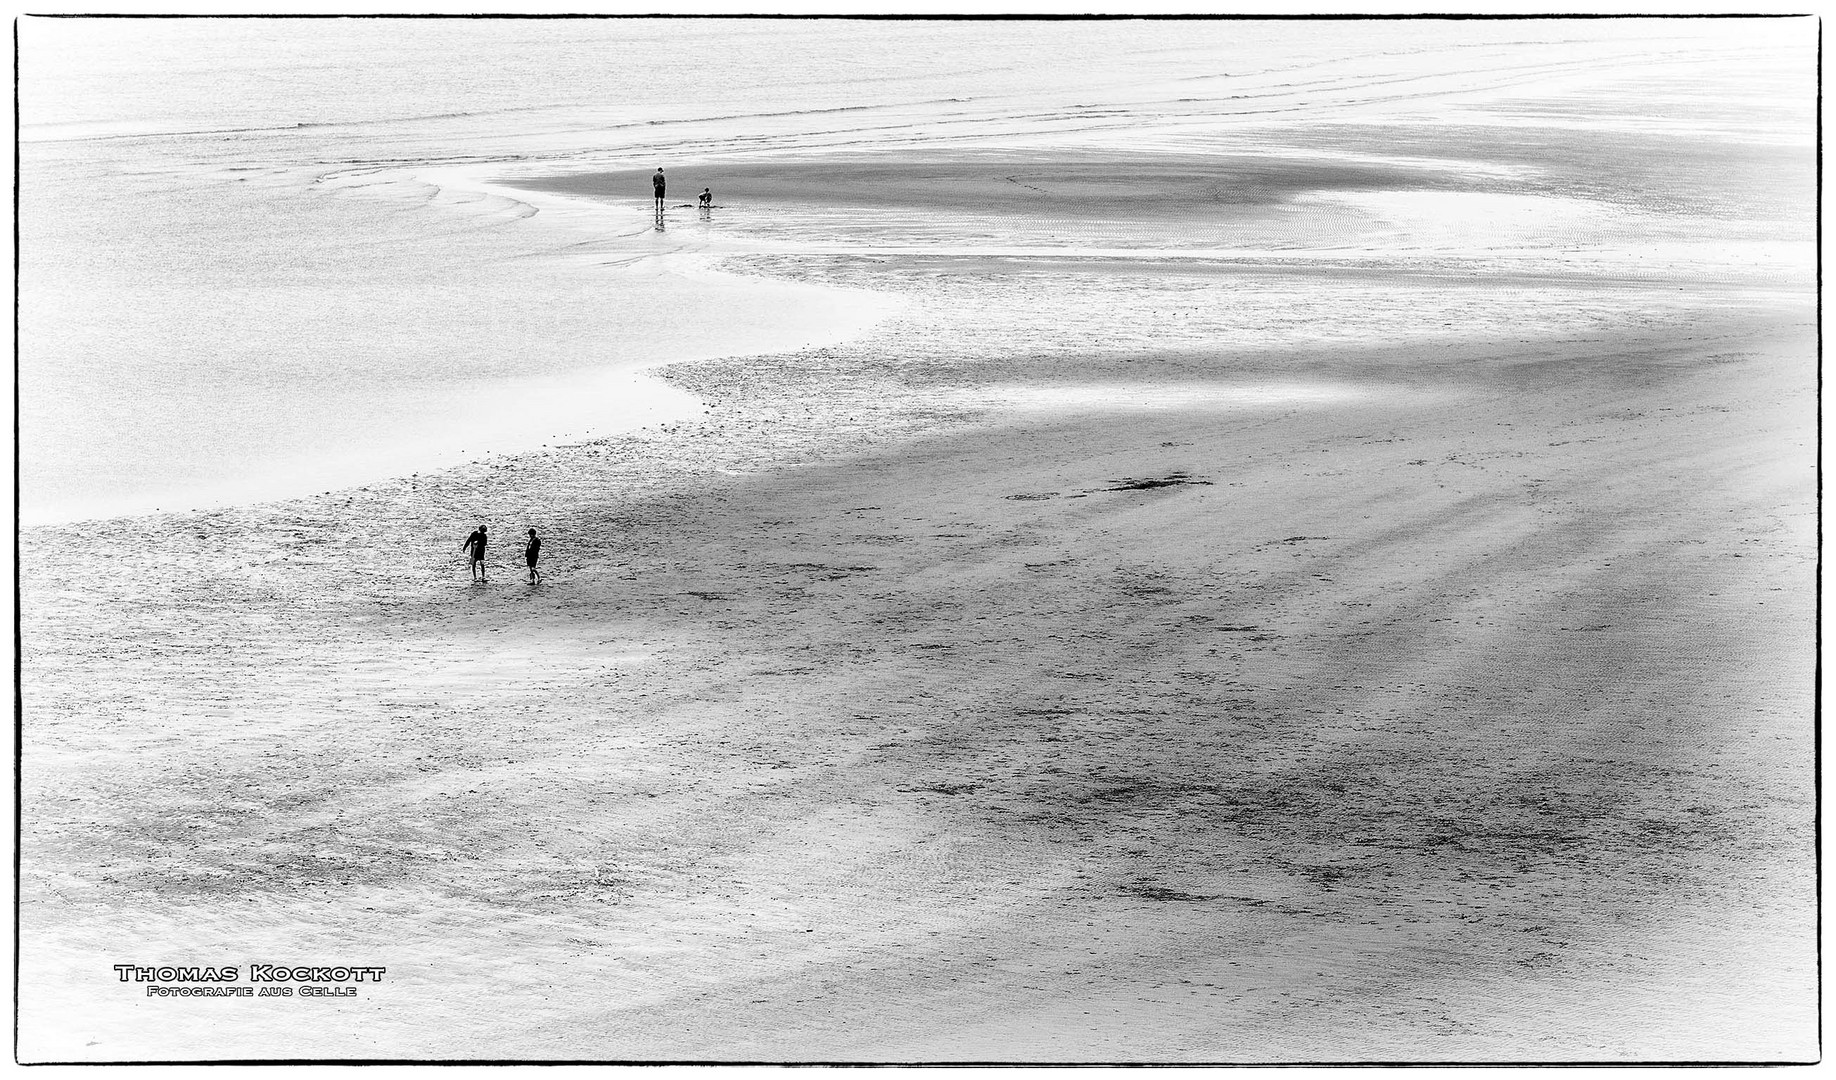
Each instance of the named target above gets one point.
<point>707,198</point>
<point>656,185</point>
<point>531,552</point>
<point>474,547</point>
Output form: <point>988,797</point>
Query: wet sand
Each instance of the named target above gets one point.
<point>1062,698</point>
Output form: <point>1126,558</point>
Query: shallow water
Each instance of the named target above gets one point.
<point>259,257</point>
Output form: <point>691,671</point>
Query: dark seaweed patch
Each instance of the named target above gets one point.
<point>1152,482</point>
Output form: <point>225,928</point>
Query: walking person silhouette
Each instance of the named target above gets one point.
<point>531,552</point>
<point>656,185</point>
<point>474,547</point>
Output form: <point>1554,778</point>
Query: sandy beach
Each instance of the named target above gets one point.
<point>1146,645</point>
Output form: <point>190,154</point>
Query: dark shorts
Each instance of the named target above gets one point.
<point>531,558</point>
